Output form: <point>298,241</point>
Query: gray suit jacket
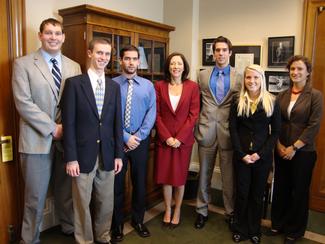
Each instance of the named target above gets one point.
<point>37,101</point>
<point>214,118</point>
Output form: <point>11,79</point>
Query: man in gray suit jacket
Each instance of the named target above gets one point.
<point>217,85</point>
<point>37,82</point>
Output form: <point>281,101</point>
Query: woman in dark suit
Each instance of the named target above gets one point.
<point>178,105</point>
<point>254,128</point>
<point>295,157</point>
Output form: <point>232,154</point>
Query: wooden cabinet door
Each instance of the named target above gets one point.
<point>10,194</point>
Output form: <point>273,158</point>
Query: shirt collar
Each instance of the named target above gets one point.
<point>225,70</point>
<point>135,78</point>
<point>93,75</point>
<point>48,57</point>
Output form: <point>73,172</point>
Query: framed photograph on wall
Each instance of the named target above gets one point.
<point>280,49</point>
<point>243,56</point>
<point>277,81</point>
<point>207,52</point>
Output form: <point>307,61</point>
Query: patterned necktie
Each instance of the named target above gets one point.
<point>253,107</point>
<point>127,113</point>
<point>56,74</point>
<point>220,93</point>
<point>99,96</point>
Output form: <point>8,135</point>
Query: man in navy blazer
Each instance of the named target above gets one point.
<point>93,143</point>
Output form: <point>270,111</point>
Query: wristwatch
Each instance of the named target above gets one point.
<point>294,147</point>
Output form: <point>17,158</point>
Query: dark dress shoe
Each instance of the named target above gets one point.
<point>290,240</point>
<point>173,226</point>
<point>236,237</point>
<point>165,224</point>
<point>71,234</point>
<point>117,234</point>
<point>271,232</point>
<point>141,229</point>
<point>200,221</point>
<point>255,239</point>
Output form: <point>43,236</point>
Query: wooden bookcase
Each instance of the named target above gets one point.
<point>85,22</point>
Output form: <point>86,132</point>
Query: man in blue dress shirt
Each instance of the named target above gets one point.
<point>138,117</point>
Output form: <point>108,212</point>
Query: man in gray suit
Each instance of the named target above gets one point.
<point>218,85</point>
<point>37,82</point>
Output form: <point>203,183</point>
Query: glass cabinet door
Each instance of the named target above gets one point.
<point>145,49</point>
<point>119,43</point>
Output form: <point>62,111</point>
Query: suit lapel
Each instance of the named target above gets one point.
<point>108,95</point>
<point>183,95</point>
<point>64,71</point>
<point>88,90</point>
<point>209,74</point>
<point>165,94</point>
<point>44,69</point>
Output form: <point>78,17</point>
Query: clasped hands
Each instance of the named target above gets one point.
<point>173,142</point>
<point>286,152</point>
<point>251,158</point>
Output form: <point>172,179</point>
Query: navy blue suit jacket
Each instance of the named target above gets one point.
<point>85,134</point>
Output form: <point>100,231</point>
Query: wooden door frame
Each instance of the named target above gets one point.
<point>310,11</point>
<point>17,48</point>
<point>309,35</point>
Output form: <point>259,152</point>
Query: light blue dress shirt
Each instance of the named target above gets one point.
<point>48,57</point>
<point>143,108</point>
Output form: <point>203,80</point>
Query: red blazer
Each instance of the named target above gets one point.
<point>180,123</point>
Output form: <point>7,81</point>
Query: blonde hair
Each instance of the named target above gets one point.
<point>244,106</point>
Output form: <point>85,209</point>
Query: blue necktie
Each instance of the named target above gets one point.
<point>220,93</point>
<point>99,96</point>
<point>56,74</point>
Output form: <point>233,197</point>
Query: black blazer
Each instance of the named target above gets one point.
<point>85,134</point>
<point>256,133</point>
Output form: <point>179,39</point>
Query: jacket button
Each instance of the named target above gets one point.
<point>100,124</point>
<point>98,141</point>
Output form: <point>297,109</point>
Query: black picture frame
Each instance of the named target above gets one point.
<point>247,49</point>
<point>207,52</point>
<point>280,49</point>
<point>277,81</point>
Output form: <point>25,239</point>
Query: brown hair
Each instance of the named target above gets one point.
<point>222,39</point>
<point>95,41</point>
<point>50,21</point>
<point>304,59</point>
<point>167,63</point>
<point>129,48</point>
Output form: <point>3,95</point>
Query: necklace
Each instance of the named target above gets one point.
<point>296,92</point>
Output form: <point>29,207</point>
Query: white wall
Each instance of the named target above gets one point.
<point>37,10</point>
<point>184,15</point>
<point>252,21</point>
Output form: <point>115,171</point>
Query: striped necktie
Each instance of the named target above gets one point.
<point>56,74</point>
<point>127,113</point>
<point>99,96</point>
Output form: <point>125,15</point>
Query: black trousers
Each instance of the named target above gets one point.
<point>292,180</point>
<point>251,180</point>
<point>138,165</point>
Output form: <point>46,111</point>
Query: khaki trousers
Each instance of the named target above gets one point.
<point>99,184</point>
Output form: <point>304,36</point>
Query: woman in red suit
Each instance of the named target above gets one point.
<point>178,105</point>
